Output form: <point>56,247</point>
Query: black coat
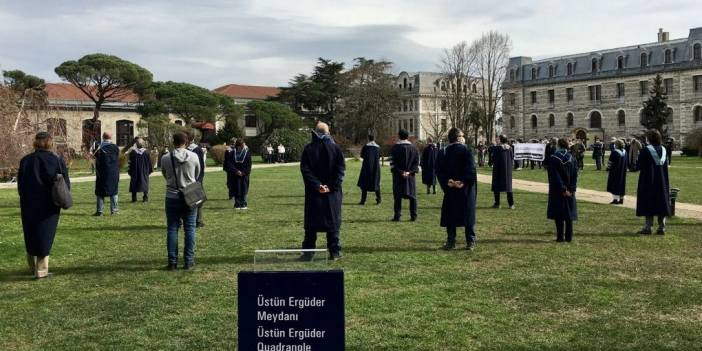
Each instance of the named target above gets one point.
<point>428,163</point>
<point>201,157</point>
<point>107,170</point>
<point>322,163</point>
<point>652,195</point>
<point>140,168</point>
<point>405,158</point>
<point>616,178</point>
<point>562,176</point>
<point>502,161</point>
<point>369,179</point>
<point>456,162</point>
<point>233,162</point>
<point>550,149</point>
<point>597,150</point>
<point>39,214</point>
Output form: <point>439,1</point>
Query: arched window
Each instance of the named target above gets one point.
<point>91,132</point>
<point>538,72</point>
<point>550,71</point>
<point>513,123</point>
<point>474,88</point>
<point>534,122</point>
<point>644,60</point>
<point>125,132</point>
<point>551,120</point>
<point>404,83</point>
<point>594,65</point>
<point>668,56</point>
<point>443,86</point>
<point>669,120</point>
<point>533,73</point>
<point>595,120</point>
<point>620,62</point>
<point>570,120</point>
<point>697,113</point>
<point>570,68</point>
<point>621,118</point>
<point>697,51</point>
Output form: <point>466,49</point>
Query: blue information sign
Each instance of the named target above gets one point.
<point>291,311</point>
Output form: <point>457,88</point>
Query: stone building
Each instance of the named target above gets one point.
<point>423,109</point>
<point>601,93</point>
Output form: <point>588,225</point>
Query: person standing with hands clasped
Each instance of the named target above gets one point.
<point>457,178</point>
<point>237,164</point>
<point>562,182</point>
<point>653,192</point>
<point>404,166</point>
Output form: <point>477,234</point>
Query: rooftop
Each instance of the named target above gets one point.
<point>252,92</point>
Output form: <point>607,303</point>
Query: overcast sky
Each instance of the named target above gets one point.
<point>266,42</point>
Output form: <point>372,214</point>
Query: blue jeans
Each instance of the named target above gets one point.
<point>177,211</point>
<point>113,204</point>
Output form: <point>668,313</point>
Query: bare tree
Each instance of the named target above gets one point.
<point>491,59</point>
<point>455,85</point>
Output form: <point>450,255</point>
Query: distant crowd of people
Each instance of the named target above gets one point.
<point>452,167</point>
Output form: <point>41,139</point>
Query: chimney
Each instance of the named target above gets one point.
<point>662,36</point>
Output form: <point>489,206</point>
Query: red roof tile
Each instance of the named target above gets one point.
<point>248,91</point>
<point>65,91</point>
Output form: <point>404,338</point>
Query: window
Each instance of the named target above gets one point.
<point>56,127</point>
<point>443,86</point>
<point>550,71</point>
<point>620,63</point>
<point>551,96</point>
<point>538,72</point>
<point>512,99</point>
<point>595,120</point>
<point>404,83</point>
<point>569,94</point>
<point>697,83</point>
<point>594,65</point>
<point>668,86</point>
<point>404,105</point>
<point>595,92</point>
<point>125,132</point>
<point>511,75</point>
<point>668,56</point>
<point>643,86</point>
<point>411,105</point>
<point>250,121</point>
<point>444,105</point>
<point>697,52</point>
<point>697,113</point>
<point>620,90</point>
<point>513,123</point>
<point>570,120</point>
<point>621,118</point>
<point>644,60</point>
<point>533,97</point>
<point>411,126</point>
<point>409,87</point>
<point>669,120</point>
<point>444,124</point>
<point>534,122</point>
<point>474,88</point>
<point>416,105</point>
<point>533,73</point>
<point>551,120</point>
<point>91,131</point>
<point>570,68</point>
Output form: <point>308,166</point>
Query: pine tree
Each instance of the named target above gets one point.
<point>656,112</point>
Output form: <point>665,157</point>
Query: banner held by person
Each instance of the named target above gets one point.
<point>529,151</point>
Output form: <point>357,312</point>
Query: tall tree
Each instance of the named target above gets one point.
<point>655,113</point>
<point>368,99</point>
<point>455,85</point>
<point>185,100</point>
<point>274,115</point>
<point>491,59</point>
<point>27,87</point>
<point>105,77</point>
<point>315,96</point>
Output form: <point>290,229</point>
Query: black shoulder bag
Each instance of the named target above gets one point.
<point>193,194</point>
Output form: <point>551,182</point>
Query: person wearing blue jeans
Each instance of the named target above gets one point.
<point>113,204</point>
<point>180,167</point>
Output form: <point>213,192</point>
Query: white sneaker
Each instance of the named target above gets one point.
<point>244,208</point>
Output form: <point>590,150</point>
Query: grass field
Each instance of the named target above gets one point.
<point>609,289</point>
<point>684,174</point>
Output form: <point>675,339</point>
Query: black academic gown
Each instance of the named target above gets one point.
<point>369,179</point>
<point>550,149</point>
<point>107,170</point>
<point>237,161</point>
<point>616,178</point>
<point>39,214</point>
<point>322,163</point>
<point>139,169</point>
<point>652,195</point>
<point>502,159</point>
<point>562,176</point>
<point>405,158</point>
<point>456,162</point>
<point>428,163</point>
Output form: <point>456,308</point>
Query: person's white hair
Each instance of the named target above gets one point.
<point>322,128</point>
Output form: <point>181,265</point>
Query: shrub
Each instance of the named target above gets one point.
<point>693,143</point>
<point>347,146</point>
<point>293,140</point>
<point>217,153</point>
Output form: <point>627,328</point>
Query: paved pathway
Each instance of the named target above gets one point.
<point>682,209</point>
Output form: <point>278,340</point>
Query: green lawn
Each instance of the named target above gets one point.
<point>685,174</point>
<point>608,290</point>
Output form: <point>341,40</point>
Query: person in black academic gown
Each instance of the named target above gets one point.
<point>237,164</point>
<point>201,155</point>
<point>616,178</point>
<point>369,179</point>
<point>428,164</point>
<point>39,215</point>
<point>139,169</point>
<point>107,174</point>
<point>502,159</point>
<point>562,184</point>
<point>551,147</point>
<point>323,167</point>
<point>457,178</point>
<point>404,167</point>
<point>652,195</point>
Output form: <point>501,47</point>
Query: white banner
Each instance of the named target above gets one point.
<point>529,151</point>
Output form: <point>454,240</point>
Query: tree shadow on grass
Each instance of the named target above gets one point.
<point>379,249</point>
<point>141,227</point>
<point>282,196</point>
